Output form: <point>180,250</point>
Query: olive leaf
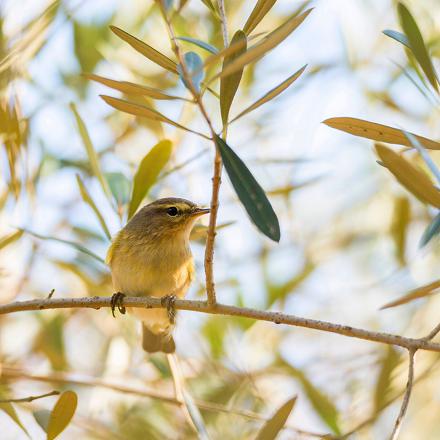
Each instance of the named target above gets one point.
<point>431,231</point>
<point>398,36</point>
<point>249,192</point>
<point>258,13</point>
<point>62,414</point>
<point>194,68</point>
<point>199,43</point>
<point>9,409</point>
<point>420,292</point>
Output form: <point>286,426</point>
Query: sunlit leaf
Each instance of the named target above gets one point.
<point>401,221</point>
<point>383,384</point>
<point>200,43</point>
<point>398,36</point>
<point>431,231</point>
<point>194,69</point>
<point>120,187</point>
<point>412,178</point>
<point>91,153</point>
<point>148,172</point>
<point>199,232</point>
<point>269,42</point>
<point>42,418</point>
<point>9,409</point>
<point>377,132</point>
<point>417,44</point>
<point>229,85</point>
<point>275,424</point>
<point>272,93</point>
<point>11,238</point>
<point>88,199</point>
<point>258,13</point>
<point>61,414</point>
<point>249,192</point>
<point>144,112</point>
<point>131,88</point>
<point>77,246</point>
<point>146,50</point>
<point>414,294</point>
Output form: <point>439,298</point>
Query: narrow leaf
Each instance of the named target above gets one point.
<point>249,192</point>
<point>420,292</point>
<point>272,40</point>
<point>42,417</point>
<point>229,85</point>
<point>417,44</point>
<point>119,186</point>
<point>9,409</point>
<point>88,199</point>
<point>431,231</point>
<point>275,424</point>
<point>131,88</point>
<point>398,36</point>
<point>377,132</point>
<point>258,13</point>
<point>200,43</point>
<point>148,172</point>
<point>194,68</point>
<point>61,414</point>
<point>413,179</point>
<point>272,93</point>
<point>146,50</point>
<point>399,227</point>
<point>91,153</point>
<point>144,112</point>
<point>11,238</point>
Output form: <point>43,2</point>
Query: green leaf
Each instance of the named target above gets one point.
<point>431,231</point>
<point>275,424</point>
<point>417,44</point>
<point>377,132</point>
<point>42,418</point>
<point>399,227</point>
<point>9,409</point>
<point>413,179</point>
<point>148,172</point>
<point>273,93</point>
<point>383,384</point>
<point>91,153</point>
<point>414,294</point>
<point>194,68</point>
<point>8,239</point>
<point>258,13</point>
<point>131,88</point>
<point>61,414</point>
<point>249,192</point>
<point>229,85</point>
<point>143,111</point>
<point>269,42</point>
<point>88,199</point>
<point>199,43</point>
<point>77,246</point>
<point>398,36</point>
<point>120,187</point>
<point>146,50</point>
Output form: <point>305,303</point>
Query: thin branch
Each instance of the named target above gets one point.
<point>224,22</point>
<point>97,302</point>
<point>30,398</point>
<point>406,397</point>
<point>433,333</point>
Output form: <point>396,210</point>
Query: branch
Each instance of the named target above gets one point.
<point>224,22</point>
<point>405,402</point>
<point>96,302</point>
<point>30,398</point>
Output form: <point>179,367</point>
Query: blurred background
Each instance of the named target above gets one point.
<point>350,233</point>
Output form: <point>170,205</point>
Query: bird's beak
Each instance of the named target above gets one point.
<point>200,211</point>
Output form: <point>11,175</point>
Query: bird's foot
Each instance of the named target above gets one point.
<point>168,302</point>
<point>117,301</point>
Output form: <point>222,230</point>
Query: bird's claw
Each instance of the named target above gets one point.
<point>117,302</point>
<point>168,302</point>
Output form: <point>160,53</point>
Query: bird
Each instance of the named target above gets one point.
<point>151,257</point>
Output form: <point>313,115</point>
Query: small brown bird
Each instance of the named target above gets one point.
<point>151,256</point>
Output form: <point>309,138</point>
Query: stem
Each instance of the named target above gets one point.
<point>97,302</point>
<point>30,398</point>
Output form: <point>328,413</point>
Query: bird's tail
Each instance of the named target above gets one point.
<point>152,342</point>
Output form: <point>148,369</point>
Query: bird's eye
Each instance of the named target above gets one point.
<point>172,211</point>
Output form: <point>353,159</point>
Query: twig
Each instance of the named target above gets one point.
<point>433,333</point>
<point>216,178</point>
<point>224,22</point>
<point>97,302</point>
<point>406,397</point>
<point>30,398</point>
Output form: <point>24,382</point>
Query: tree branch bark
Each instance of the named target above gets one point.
<point>97,302</point>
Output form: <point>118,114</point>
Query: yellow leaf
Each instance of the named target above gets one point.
<point>131,88</point>
<point>146,50</point>
<point>377,132</point>
<point>420,292</point>
<point>413,179</point>
<point>260,10</point>
<point>62,414</point>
